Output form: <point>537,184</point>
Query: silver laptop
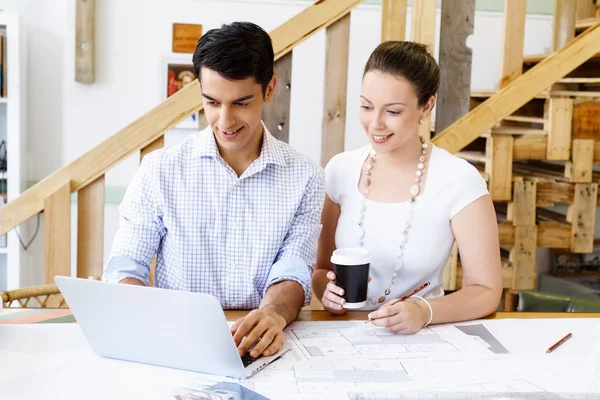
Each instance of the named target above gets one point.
<point>161,327</point>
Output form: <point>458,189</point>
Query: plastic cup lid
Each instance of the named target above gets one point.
<point>350,256</point>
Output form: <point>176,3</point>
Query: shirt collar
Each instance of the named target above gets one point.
<point>271,151</point>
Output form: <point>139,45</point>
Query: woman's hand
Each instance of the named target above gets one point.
<point>332,300</point>
<point>406,317</point>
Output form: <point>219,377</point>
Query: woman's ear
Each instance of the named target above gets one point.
<point>428,107</point>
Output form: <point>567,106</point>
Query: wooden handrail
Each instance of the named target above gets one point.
<point>520,91</point>
<point>151,126</point>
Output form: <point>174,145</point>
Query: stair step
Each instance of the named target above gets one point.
<point>575,93</point>
<point>536,58</point>
<point>490,93</point>
<point>585,23</point>
<point>472,156</point>
<point>522,118</point>
<point>517,130</point>
<point>544,94</point>
<point>579,80</point>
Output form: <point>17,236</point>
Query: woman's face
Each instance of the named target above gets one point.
<point>389,110</point>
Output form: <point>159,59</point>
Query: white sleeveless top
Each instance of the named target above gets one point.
<point>452,184</point>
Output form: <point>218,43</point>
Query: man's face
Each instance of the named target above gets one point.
<point>233,109</point>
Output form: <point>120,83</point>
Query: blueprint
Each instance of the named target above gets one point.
<point>339,358</point>
<point>354,338</point>
<point>353,360</point>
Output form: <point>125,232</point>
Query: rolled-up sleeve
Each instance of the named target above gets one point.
<point>298,254</point>
<point>140,226</point>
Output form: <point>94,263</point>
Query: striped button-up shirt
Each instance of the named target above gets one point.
<point>215,232</point>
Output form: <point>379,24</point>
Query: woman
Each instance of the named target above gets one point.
<point>406,201</point>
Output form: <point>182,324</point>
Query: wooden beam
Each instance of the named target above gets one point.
<point>157,144</point>
<point>319,15</point>
<point>553,235</point>
<point>585,9</point>
<point>276,114</point>
<point>515,13</point>
<point>523,256</point>
<point>513,37</point>
<point>550,234</point>
<point>532,147</point>
<point>500,152</point>
<point>90,230</point>
<point>57,233</point>
<point>580,168</point>
<point>582,215</point>
<point>159,120</point>
<point>586,121</point>
<point>393,21</point>
<point>423,31</point>
<point>85,45</point>
<point>549,193</point>
<point>455,59</point>
<point>558,126</point>
<point>524,203</point>
<point>563,28</point>
<point>520,91</point>
<point>336,86</point>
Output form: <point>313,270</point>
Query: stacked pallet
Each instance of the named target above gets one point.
<point>539,161</point>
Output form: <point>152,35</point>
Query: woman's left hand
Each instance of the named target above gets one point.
<point>405,317</point>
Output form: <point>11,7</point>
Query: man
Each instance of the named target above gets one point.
<point>230,211</point>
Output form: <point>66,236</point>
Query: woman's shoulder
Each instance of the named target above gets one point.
<point>339,175</point>
<point>458,180</point>
<point>452,167</point>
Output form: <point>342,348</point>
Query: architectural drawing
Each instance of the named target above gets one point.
<point>354,338</point>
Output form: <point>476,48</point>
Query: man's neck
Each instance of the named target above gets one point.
<point>241,159</point>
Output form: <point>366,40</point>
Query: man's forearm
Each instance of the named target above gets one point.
<point>284,299</point>
<point>132,281</point>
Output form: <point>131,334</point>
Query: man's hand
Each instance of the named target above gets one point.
<point>263,328</point>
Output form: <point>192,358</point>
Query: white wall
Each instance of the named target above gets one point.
<point>67,118</point>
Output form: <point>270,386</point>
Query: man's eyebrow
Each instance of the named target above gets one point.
<point>241,99</point>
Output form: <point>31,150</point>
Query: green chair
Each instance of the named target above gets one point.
<point>538,301</point>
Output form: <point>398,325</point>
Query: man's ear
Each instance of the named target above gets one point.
<point>270,90</point>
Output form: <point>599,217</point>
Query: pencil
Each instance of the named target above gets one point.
<point>417,290</point>
<point>561,341</point>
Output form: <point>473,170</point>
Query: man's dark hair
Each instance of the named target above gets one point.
<point>236,51</point>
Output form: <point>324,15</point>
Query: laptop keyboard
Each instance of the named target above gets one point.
<point>247,359</point>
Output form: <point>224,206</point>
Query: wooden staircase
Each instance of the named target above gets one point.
<point>542,155</point>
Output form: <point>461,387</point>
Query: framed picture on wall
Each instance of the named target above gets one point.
<point>177,74</point>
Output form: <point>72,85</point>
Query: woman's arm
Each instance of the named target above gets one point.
<point>329,219</point>
<point>476,231</point>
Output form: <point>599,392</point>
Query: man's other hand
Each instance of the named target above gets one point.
<point>263,328</point>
